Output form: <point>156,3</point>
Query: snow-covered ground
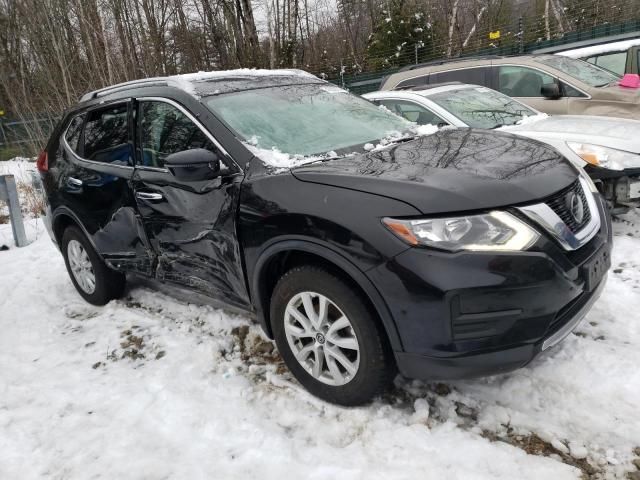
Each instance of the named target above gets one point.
<point>152,387</point>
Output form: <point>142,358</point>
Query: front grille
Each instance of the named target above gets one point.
<point>558,203</point>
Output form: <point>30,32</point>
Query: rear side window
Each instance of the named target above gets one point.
<point>413,82</point>
<point>412,112</point>
<point>615,62</point>
<point>476,75</point>
<point>164,130</point>
<point>72,135</point>
<point>522,81</point>
<point>106,136</point>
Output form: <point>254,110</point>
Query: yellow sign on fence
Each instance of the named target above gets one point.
<point>494,35</point>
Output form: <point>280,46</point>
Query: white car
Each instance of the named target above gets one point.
<point>608,148</point>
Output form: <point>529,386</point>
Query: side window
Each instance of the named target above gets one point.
<point>412,82</point>
<point>413,112</point>
<point>165,130</point>
<point>615,62</point>
<point>106,136</point>
<point>476,75</point>
<point>72,135</point>
<point>522,81</point>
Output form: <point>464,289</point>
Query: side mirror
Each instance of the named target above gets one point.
<point>551,91</point>
<point>194,165</point>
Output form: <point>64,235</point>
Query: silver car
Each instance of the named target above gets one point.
<point>607,148</point>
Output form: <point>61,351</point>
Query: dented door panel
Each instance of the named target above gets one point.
<point>192,230</point>
<point>100,197</point>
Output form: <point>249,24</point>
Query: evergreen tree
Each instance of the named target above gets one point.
<point>401,30</point>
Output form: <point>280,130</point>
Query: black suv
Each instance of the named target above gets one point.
<point>360,250</point>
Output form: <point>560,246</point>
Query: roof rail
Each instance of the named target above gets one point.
<point>143,82</point>
<point>417,88</point>
<point>449,60</point>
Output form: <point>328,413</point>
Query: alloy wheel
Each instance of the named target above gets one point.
<point>81,266</point>
<point>322,338</point>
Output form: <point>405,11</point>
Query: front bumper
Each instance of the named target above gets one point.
<point>493,362</point>
<point>470,314</point>
<point>621,188</point>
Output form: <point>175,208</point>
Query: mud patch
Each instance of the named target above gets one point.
<point>135,345</point>
<point>79,313</point>
<point>256,352</point>
<point>534,445</point>
<point>132,346</point>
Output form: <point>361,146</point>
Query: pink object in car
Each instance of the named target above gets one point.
<point>630,80</point>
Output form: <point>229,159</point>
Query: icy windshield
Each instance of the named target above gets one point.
<point>583,71</point>
<point>304,119</point>
<point>482,107</point>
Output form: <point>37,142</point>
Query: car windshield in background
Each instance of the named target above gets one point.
<point>481,107</point>
<point>583,71</point>
<point>305,119</point>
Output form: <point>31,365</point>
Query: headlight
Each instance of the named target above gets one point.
<point>495,231</point>
<point>604,156</point>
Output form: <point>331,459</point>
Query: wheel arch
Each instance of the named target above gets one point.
<point>283,255</point>
<point>63,218</point>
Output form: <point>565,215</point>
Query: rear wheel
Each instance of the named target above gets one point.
<point>93,279</point>
<point>329,338</point>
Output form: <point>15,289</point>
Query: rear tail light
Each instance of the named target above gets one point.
<point>43,161</point>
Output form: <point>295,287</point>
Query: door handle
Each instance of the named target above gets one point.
<point>149,196</point>
<point>74,181</point>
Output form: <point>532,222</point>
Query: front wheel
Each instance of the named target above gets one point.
<point>93,279</point>
<point>329,338</point>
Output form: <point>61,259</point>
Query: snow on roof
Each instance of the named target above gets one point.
<point>602,48</point>
<point>186,81</point>
<point>445,88</point>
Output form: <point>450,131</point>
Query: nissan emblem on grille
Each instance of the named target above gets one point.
<point>575,206</point>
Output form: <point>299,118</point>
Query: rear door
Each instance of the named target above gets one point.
<point>97,166</point>
<point>191,225</point>
<point>473,75</point>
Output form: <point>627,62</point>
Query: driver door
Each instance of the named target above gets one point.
<point>191,225</point>
<point>525,85</point>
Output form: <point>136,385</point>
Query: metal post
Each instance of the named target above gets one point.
<point>9,193</point>
<point>3,137</point>
<point>520,35</point>
<point>415,47</point>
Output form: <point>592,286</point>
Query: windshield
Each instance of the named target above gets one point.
<point>481,107</point>
<point>583,71</point>
<point>305,119</point>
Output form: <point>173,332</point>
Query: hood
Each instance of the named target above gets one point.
<point>618,133</point>
<point>453,170</point>
<point>616,93</point>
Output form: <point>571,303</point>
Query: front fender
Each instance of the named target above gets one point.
<point>329,254</point>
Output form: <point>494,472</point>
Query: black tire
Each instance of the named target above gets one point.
<point>109,284</point>
<point>376,364</point>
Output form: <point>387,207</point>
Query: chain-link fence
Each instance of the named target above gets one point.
<point>23,138</point>
<point>366,82</point>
